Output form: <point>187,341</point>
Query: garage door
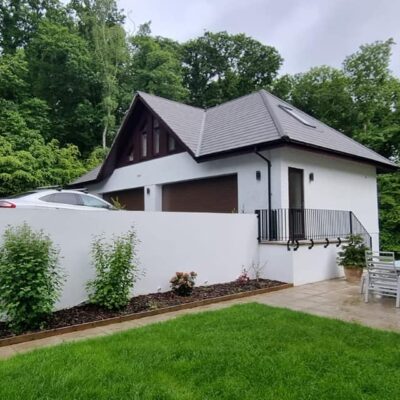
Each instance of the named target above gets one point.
<point>202,195</point>
<point>132,199</point>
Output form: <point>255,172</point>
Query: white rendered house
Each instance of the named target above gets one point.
<point>309,183</point>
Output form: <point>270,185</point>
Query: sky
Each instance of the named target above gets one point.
<point>306,33</point>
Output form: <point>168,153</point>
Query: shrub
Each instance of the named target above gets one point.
<point>116,270</point>
<point>352,254</point>
<point>30,277</point>
<point>182,283</point>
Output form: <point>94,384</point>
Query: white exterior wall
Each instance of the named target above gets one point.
<point>301,266</point>
<point>216,246</point>
<point>152,174</point>
<point>339,184</point>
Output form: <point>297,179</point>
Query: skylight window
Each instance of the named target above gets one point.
<point>294,114</point>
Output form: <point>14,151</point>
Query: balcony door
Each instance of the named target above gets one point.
<point>296,204</point>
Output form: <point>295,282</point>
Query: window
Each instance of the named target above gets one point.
<point>63,198</point>
<point>297,116</point>
<point>144,144</point>
<point>91,201</point>
<point>131,156</point>
<point>156,136</point>
<point>171,143</point>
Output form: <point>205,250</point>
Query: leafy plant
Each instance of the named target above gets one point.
<point>30,277</point>
<point>182,283</point>
<point>116,268</point>
<point>352,254</point>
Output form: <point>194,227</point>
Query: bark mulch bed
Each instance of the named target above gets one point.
<point>89,313</point>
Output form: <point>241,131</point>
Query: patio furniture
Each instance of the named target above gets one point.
<point>381,277</point>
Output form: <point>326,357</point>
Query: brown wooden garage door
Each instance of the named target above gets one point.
<point>202,195</point>
<point>132,199</point>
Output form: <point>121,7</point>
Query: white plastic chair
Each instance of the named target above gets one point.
<point>382,276</point>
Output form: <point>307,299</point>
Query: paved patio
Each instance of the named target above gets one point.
<point>334,299</point>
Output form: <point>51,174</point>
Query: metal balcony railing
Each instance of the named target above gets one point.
<point>291,225</point>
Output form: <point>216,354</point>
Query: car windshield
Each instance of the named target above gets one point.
<point>92,201</point>
<point>19,195</point>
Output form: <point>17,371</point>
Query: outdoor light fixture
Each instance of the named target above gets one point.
<point>148,190</point>
<point>258,175</point>
<point>311,177</point>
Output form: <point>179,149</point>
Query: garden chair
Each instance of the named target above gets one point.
<point>381,277</point>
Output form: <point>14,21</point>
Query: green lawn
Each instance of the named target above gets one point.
<point>244,352</point>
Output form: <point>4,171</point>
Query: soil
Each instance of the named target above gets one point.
<point>90,312</point>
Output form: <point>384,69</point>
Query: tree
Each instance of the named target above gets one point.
<point>155,65</point>
<point>62,74</point>
<point>370,83</point>
<point>101,23</point>
<point>324,93</point>
<point>219,67</point>
<point>19,20</point>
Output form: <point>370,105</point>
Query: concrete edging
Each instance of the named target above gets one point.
<point>129,317</point>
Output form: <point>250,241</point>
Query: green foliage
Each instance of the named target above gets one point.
<point>155,63</point>
<point>220,67</point>
<point>30,277</point>
<point>182,283</point>
<point>116,270</point>
<point>389,211</point>
<point>352,254</point>
<point>323,92</point>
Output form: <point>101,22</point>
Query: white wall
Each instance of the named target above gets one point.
<point>339,184</point>
<point>301,266</point>
<point>216,246</point>
<point>252,194</point>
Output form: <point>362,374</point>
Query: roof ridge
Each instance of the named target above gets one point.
<point>232,100</point>
<point>271,112</point>
<point>169,100</point>
<point>200,142</point>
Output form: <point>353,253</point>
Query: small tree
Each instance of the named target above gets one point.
<point>116,270</point>
<point>30,277</point>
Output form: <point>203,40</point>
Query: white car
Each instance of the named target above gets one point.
<point>56,198</point>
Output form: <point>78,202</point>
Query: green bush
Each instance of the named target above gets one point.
<point>116,270</point>
<point>352,254</point>
<point>30,277</point>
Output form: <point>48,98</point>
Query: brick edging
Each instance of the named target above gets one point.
<point>129,317</point>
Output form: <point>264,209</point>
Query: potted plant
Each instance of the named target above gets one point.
<point>352,258</point>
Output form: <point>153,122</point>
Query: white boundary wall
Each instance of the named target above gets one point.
<point>216,246</point>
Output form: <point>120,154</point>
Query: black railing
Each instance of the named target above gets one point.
<point>289,224</point>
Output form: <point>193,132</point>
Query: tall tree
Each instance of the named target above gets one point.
<point>155,65</point>
<point>19,20</point>
<point>100,22</point>
<point>324,93</point>
<point>219,67</point>
<point>62,73</point>
<point>370,83</point>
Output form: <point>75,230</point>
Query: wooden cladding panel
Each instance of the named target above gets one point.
<point>132,199</point>
<point>219,195</point>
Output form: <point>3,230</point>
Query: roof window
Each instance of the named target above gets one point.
<point>297,116</point>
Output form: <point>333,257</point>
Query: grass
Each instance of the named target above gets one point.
<point>245,352</point>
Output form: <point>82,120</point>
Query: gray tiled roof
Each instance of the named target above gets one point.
<point>251,120</point>
<point>88,177</point>
<point>257,118</point>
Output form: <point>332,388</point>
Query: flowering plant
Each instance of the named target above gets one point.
<point>243,277</point>
<point>182,283</point>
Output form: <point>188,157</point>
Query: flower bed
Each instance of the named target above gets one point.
<point>87,313</point>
